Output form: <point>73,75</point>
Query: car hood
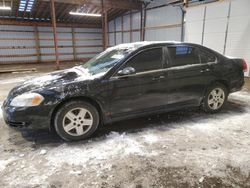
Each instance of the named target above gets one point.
<point>55,80</point>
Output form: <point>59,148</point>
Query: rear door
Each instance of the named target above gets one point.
<point>186,75</point>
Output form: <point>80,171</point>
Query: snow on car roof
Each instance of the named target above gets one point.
<point>135,45</point>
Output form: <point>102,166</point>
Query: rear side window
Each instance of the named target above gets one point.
<point>183,55</point>
<point>206,56</point>
<point>147,60</point>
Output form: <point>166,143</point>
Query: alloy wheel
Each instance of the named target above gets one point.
<point>216,98</point>
<point>77,121</point>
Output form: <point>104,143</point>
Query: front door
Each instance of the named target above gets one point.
<point>143,91</point>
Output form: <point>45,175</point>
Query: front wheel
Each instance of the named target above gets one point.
<point>215,98</point>
<point>76,120</point>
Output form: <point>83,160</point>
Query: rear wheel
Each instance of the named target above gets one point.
<point>215,98</point>
<point>76,120</point>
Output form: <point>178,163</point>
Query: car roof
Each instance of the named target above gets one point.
<point>137,45</point>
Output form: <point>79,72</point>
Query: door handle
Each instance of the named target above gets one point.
<point>156,78</point>
<point>205,70</point>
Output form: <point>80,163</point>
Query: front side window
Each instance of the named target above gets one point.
<point>183,55</point>
<point>147,60</point>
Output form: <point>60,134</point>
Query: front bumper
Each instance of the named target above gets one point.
<point>38,117</point>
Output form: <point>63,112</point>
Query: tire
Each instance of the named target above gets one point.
<point>76,120</point>
<point>215,98</point>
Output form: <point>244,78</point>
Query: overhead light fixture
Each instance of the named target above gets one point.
<point>26,5</point>
<point>84,14</point>
<point>5,8</point>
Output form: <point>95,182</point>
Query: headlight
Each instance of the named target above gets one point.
<point>27,99</point>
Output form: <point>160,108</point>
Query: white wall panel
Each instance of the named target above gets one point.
<point>217,10</point>
<point>118,38</point>
<point>136,36</point>
<point>118,22</point>
<point>164,16</point>
<point>235,40</point>
<point>214,41</point>
<point>168,15</point>
<point>167,34</point>
<point>111,26</point>
<point>126,22</point>
<point>111,39</point>
<point>194,24</point>
<point>136,20</point>
<point>126,37</point>
<point>238,39</point>
<point>215,25</point>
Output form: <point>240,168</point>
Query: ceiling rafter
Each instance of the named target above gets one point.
<point>120,4</point>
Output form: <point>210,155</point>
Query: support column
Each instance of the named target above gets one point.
<point>106,29</point>
<point>122,29</point>
<point>226,33</point>
<point>115,31</point>
<point>204,23</point>
<point>37,43</point>
<point>53,18</point>
<point>143,20</point>
<point>131,26</point>
<point>104,26</point>
<point>141,23</point>
<point>74,43</point>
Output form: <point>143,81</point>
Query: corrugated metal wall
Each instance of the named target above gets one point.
<point>21,43</point>
<point>223,26</point>
<point>125,29</point>
<point>163,23</point>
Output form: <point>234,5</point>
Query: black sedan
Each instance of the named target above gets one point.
<point>125,81</point>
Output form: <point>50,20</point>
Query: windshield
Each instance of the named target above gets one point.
<point>105,61</point>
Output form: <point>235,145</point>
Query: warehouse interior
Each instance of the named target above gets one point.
<point>178,149</point>
<point>27,34</point>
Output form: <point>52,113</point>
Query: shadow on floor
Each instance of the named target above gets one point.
<point>44,137</point>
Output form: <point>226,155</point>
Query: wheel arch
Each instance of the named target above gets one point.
<point>220,81</point>
<point>90,100</point>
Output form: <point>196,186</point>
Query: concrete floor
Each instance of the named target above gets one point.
<point>179,149</point>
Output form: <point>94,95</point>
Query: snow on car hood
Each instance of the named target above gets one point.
<point>55,79</point>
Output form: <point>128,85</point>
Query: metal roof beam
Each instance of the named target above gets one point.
<point>33,23</point>
<point>117,4</point>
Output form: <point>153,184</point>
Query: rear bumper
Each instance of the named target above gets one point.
<point>26,117</point>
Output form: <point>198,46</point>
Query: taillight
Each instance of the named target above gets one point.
<point>244,65</point>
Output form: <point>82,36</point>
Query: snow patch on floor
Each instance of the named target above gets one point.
<point>113,145</point>
<point>5,163</point>
<point>150,138</point>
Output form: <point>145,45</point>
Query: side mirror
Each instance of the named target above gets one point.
<point>126,71</point>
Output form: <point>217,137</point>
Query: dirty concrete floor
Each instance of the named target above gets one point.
<point>186,148</point>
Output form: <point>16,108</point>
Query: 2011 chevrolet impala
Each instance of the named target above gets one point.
<point>125,81</point>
